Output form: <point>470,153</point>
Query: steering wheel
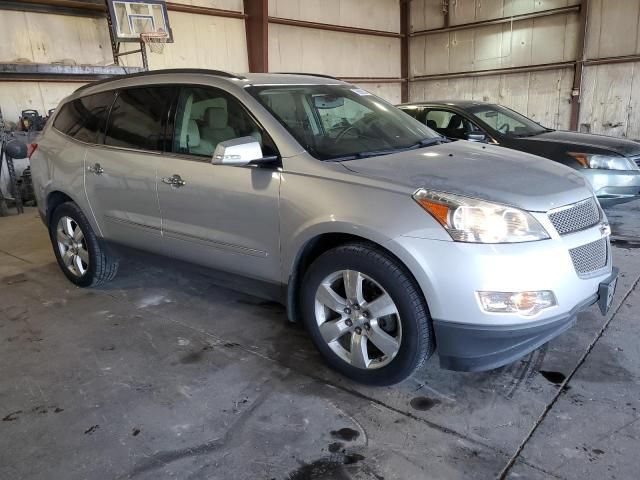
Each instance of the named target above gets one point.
<point>344,131</point>
<point>504,128</point>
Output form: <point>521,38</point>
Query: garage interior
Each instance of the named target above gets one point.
<point>167,372</point>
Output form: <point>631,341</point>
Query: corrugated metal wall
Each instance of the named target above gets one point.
<point>610,94</point>
<point>208,41</point>
<point>544,96</point>
<point>299,49</point>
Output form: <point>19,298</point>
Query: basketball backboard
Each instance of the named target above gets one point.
<point>130,18</point>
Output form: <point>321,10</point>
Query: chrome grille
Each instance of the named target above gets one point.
<point>575,217</point>
<point>635,159</point>
<point>590,257</point>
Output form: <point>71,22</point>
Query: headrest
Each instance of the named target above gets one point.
<point>216,117</point>
<point>432,124</point>
<point>193,134</point>
<point>455,122</point>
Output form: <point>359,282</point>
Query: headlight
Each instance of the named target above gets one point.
<point>476,221</point>
<point>605,162</point>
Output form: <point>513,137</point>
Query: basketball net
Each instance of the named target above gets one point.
<point>155,40</point>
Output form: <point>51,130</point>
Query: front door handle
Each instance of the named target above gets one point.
<point>174,181</point>
<point>97,169</point>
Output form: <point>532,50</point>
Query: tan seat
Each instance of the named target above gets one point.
<point>216,128</point>
<point>195,143</point>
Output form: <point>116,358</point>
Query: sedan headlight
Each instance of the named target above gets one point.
<point>477,221</point>
<point>605,162</point>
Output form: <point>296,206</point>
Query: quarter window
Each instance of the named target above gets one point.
<point>138,118</point>
<point>207,116</point>
<point>449,123</point>
<point>85,118</point>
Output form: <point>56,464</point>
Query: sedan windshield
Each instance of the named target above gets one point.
<point>506,121</point>
<point>341,122</point>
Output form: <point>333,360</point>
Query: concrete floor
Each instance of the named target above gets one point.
<point>163,374</point>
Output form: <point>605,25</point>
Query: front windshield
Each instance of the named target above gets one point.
<point>340,122</point>
<point>506,121</point>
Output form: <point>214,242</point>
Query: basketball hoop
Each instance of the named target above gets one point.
<point>155,40</point>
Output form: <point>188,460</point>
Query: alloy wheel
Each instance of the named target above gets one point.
<point>72,246</point>
<point>358,319</point>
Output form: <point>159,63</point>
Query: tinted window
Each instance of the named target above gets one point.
<point>85,118</point>
<point>449,123</point>
<point>507,121</point>
<point>208,116</point>
<point>138,118</point>
<point>338,122</point>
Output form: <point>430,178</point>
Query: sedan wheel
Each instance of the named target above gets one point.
<point>358,319</point>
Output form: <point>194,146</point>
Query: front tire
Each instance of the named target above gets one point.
<point>366,314</point>
<point>80,255</point>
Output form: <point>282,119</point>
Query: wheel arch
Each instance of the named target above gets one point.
<point>321,243</point>
<point>54,200</point>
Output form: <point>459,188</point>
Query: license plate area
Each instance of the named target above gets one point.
<point>606,291</point>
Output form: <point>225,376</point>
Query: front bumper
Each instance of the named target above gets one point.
<point>474,348</point>
<point>450,273</point>
<point>614,186</point>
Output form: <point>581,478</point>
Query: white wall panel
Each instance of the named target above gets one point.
<point>48,38</point>
<point>542,96</point>
<point>373,14</point>
<point>613,28</point>
<point>235,5</point>
<point>201,41</point>
<point>427,14</point>
<point>298,49</point>
<point>388,91</point>
<point>611,100</point>
<point>41,96</point>
<point>525,42</point>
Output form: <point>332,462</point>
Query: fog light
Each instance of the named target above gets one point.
<point>523,303</point>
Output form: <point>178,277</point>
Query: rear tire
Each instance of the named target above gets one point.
<point>79,253</point>
<point>366,314</point>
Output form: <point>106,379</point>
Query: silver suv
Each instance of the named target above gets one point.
<point>386,240</point>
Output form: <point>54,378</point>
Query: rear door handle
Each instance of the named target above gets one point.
<point>97,169</point>
<point>174,181</point>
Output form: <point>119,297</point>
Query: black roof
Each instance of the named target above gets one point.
<point>450,103</point>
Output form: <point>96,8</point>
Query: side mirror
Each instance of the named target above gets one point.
<point>476,137</point>
<point>238,152</point>
<point>16,149</point>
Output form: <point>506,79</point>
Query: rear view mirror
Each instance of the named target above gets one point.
<point>238,151</point>
<point>476,137</point>
<point>327,101</point>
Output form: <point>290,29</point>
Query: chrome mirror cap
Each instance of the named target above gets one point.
<point>238,151</point>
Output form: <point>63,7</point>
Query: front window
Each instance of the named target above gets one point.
<point>336,122</point>
<point>506,121</point>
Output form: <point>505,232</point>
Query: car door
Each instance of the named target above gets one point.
<point>220,216</point>
<point>120,175</point>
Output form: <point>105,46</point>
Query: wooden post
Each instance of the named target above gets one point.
<point>257,30</point>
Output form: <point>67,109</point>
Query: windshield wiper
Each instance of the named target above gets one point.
<point>425,142</point>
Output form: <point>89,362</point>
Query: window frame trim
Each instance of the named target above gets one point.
<point>199,158</point>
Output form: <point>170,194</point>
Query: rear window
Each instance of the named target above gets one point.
<point>138,118</point>
<point>85,118</point>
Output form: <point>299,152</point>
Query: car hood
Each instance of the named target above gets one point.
<point>575,140</point>
<point>487,172</point>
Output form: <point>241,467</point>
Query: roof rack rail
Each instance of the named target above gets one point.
<point>309,74</point>
<point>218,73</point>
